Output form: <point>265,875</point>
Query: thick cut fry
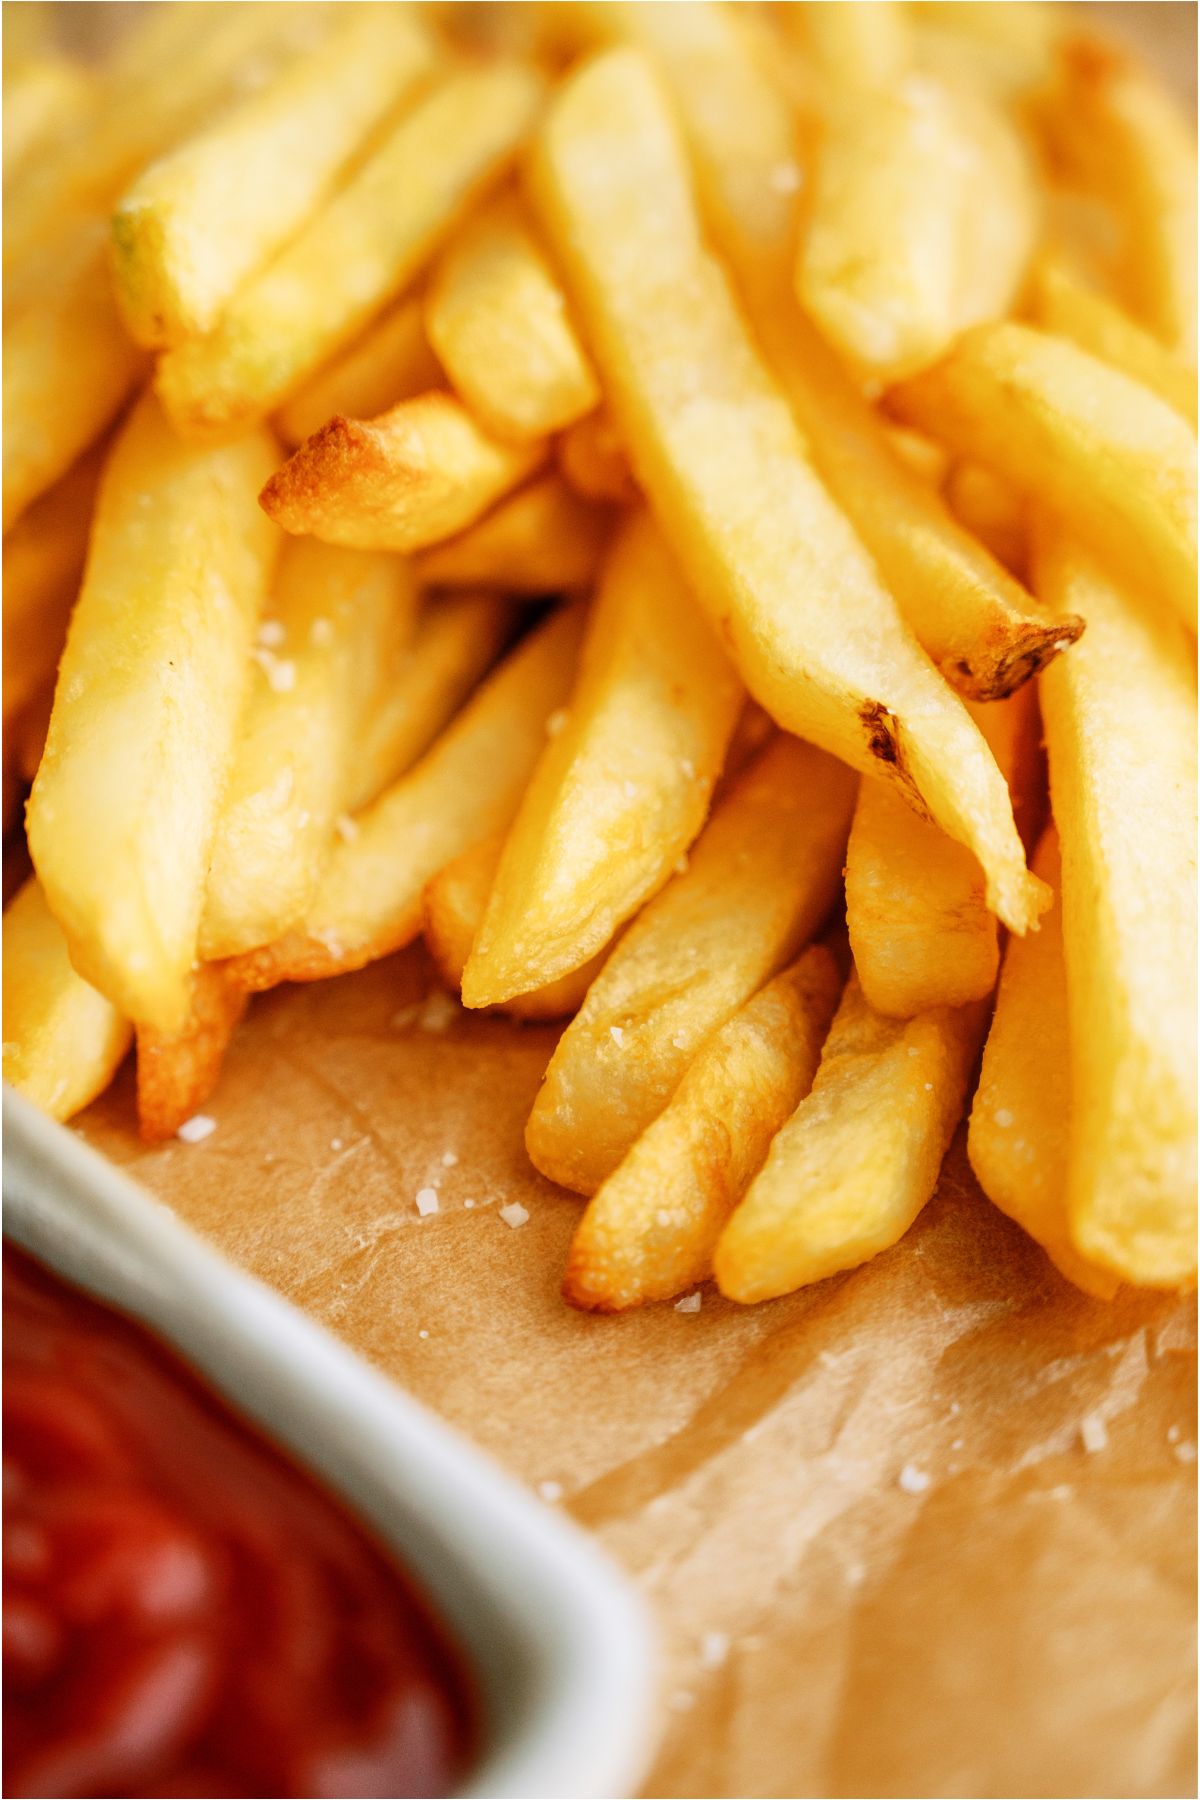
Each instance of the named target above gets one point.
<point>759,881</point>
<point>456,640</point>
<point>410,478</point>
<point>593,460</point>
<point>1019,1135</point>
<point>817,638</point>
<point>43,562</point>
<point>995,513</point>
<point>544,540</point>
<point>68,368</point>
<point>980,627</point>
<point>391,361</point>
<point>858,1159</point>
<point>178,1070</point>
<point>198,221</point>
<point>1006,50</point>
<point>650,1231</point>
<point>1116,463</point>
<point>920,931</point>
<point>497,319</point>
<point>454,905</point>
<point>622,788</point>
<point>860,47</point>
<point>63,1042</point>
<point>1120,722</point>
<point>921,222</point>
<point>357,251</point>
<point>338,619</point>
<point>1068,307</point>
<point>467,787</point>
<point>147,706</point>
<point>45,96</point>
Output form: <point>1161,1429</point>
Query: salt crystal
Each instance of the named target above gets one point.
<point>679,1042</point>
<point>687,767</point>
<point>556,722</point>
<point>449,1159</point>
<point>335,1143</point>
<point>438,1011</point>
<point>689,1304</point>
<point>714,1648</point>
<point>1094,1433</point>
<point>1003,1117</point>
<point>550,1491</point>
<point>468,1204</point>
<point>957,1444</point>
<point>427,1201</point>
<point>1173,1434</point>
<point>346,827</point>
<point>271,633</point>
<point>662,1217</point>
<point>617,1034</point>
<point>422,1334</point>
<point>321,633</point>
<point>681,864</point>
<point>681,1701</point>
<point>1186,1453</point>
<point>280,674</point>
<point>514,1214</point>
<point>912,1479</point>
<point>196,1129</point>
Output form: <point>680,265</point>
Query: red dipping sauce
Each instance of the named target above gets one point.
<point>185,1610</point>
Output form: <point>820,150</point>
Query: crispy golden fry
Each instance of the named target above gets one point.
<point>178,1070</point>
<point>995,513</point>
<point>68,368</point>
<point>63,1042</point>
<point>1019,1134</point>
<point>391,361</point>
<point>355,253</point>
<point>1120,723</point>
<point>467,787</point>
<point>45,96</point>
<point>624,785</point>
<point>981,628</point>
<point>849,1172</point>
<point>43,562</point>
<point>860,47</point>
<point>919,453</point>
<point>338,619</point>
<point>200,220</point>
<point>591,457</point>
<point>453,906</point>
<point>817,638</point>
<point>1006,50</point>
<point>456,640</point>
<point>1065,305</point>
<point>758,883</point>
<point>922,219</point>
<point>921,934</point>
<point>1115,462</point>
<point>497,319</point>
<point>544,540</point>
<point>147,707</point>
<point>410,478</point>
<point>649,1232</point>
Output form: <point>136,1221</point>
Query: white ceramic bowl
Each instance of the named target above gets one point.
<point>559,1643</point>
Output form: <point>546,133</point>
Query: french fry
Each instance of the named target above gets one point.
<point>497,319</point>
<point>455,642</point>
<point>591,457</point>
<point>467,787</point>
<point>1062,304</point>
<point>63,1042</point>
<point>621,790</point>
<point>1115,462</point>
<point>147,707</point>
<point>178,1070</point>
<point>1007,50</point>
<point>43,562</point>
<point>818,640</point>
<point>649,1232</point>
<point>1120,725</point>
<point>860,47</point>
<point>45,96</point>
<point>921,934</point>
<point>992,511</point>
<point>850,1170</point>
<point>201,219</point>
<point>391,361</point>
<point>921,222</point>
<point>919,453</point>
<point>542,540</point>
<point>410,478</point>
<point>337,619</point>
<point>453,907</point>
<point>981,628</point>
<point>68,369</point>
<point>357,252</point>
<point>1019,1136</point>
<point>758,883</point>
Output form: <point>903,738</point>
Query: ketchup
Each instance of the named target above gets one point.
<point>186,1612</point>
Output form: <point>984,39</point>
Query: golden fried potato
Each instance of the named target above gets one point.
<point>995,513</point>
<point>1008,51</point>
<point>542,540</point>
<point>1063,304</point>
<point>147,708</point>
<point>178,1070</point>
<point>43,563</point>
<point>356,252</point>
<point>649,1232</point>
<point>758,883</point>
<point>44,96</point>
<point>63,1042</point>
<point>410,478</point>
<point>861,48</point>
<point>850,1170</point>
<point>1019,1135</point>
<point>593,460</point>
<point>1120,723</point>
<point>391,361</point>
<point>817,638</point>
<point>1115,462</point>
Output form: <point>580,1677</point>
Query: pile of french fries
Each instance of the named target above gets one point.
<point>625,492</point>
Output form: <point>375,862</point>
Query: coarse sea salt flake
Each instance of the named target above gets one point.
<point>1094,1433</point>
<point>912,1479</point>
<point>617,1034</point>
<point>514,1214</point>
<point>427,1201</point>
<point>271,633</point>
<point>196,1129</point>
<point>449,1159</point>
<point>1003,1117</point>
<point>714,1648</point>
<point>550,1491</point>
<point>689,1304</point>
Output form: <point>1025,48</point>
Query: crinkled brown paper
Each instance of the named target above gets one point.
<point>1013,1617</point>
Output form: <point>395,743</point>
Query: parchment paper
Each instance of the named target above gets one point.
<point>882,1560</point>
